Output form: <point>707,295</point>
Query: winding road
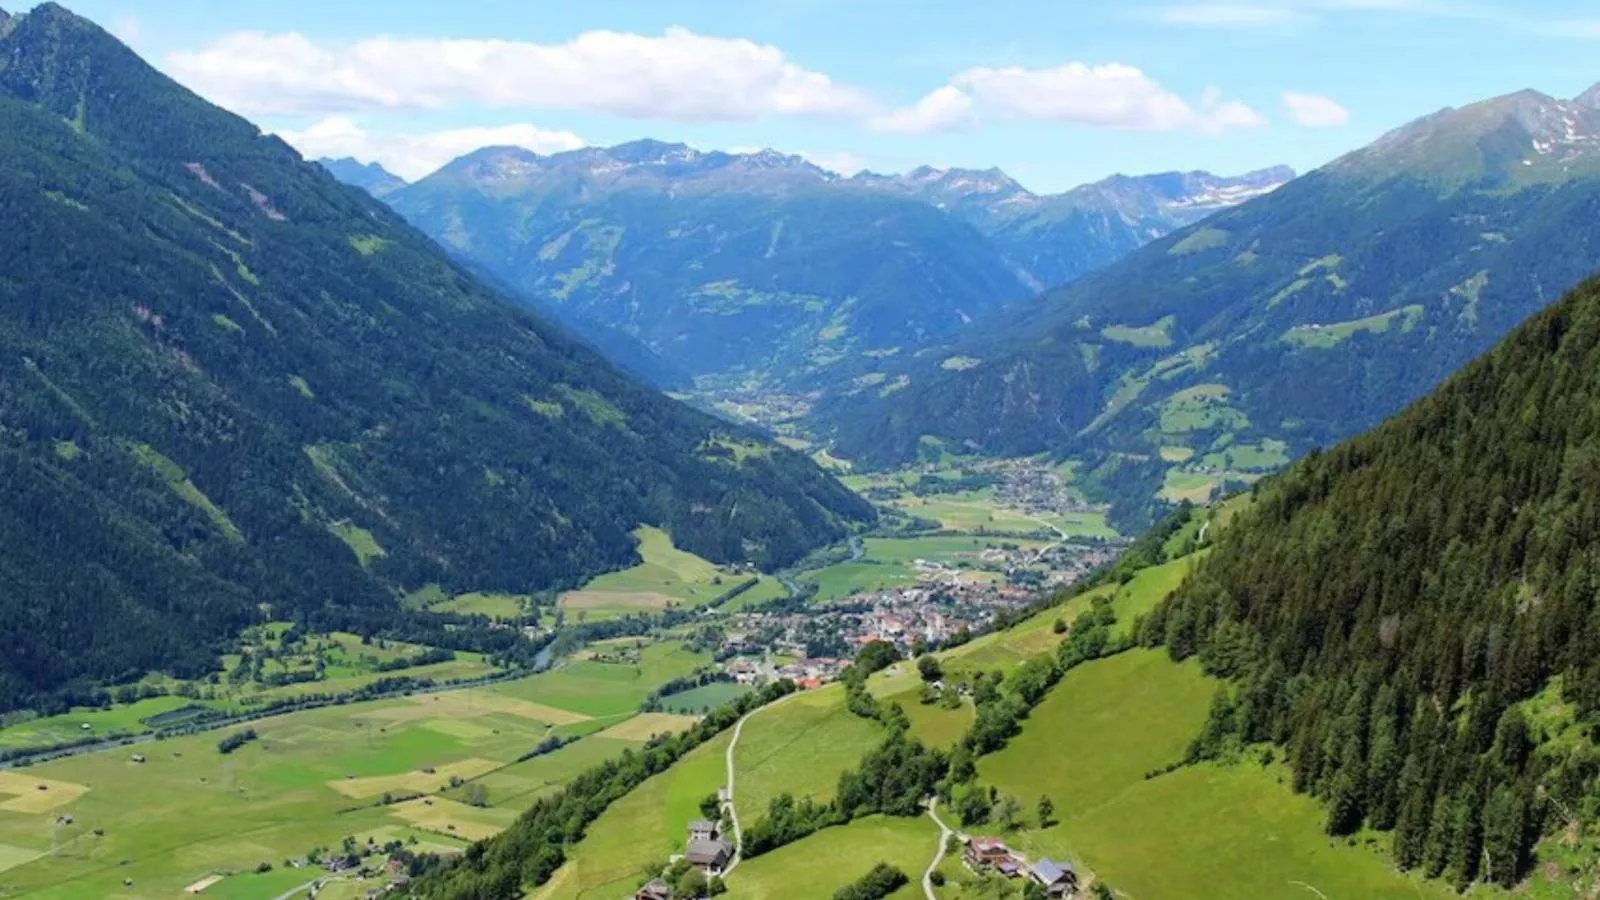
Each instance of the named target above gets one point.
<point>938,855</point>
<point>733,812</point>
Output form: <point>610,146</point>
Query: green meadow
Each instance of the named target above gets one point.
<point>312,778</point>
<point>891,562</point>
<point>665,576</point>
<point>631,839</point>
<point>834,857</point>
<point>702,699</point>
<point>800,747</point>
<point>1237,830</point>
<point>604,690</point>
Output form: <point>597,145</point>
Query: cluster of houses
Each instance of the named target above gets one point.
<point>987,854</point>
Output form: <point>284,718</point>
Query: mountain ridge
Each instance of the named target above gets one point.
<point>235,387</point>
<point>765,268</point>
<point>370,177</point>
<point>1270,328</point>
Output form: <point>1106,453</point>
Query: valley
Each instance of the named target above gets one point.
<point>677,519</point>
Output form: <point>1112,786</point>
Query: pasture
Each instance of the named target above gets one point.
<point>638,832</point>
<point>605,690</point>
<point>666,576</point>
<point>893,562</point>
<point>1239,830</point>
<point>799,747</point>
<point>311,779</point>
<point>704,698</point>
<point>834,857</point>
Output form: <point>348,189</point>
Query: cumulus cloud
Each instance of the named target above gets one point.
<point>1107,96</point>
<point>1314,110</point>
<point>946,109</point>
<point>413,155</point>
<point>677,76</point>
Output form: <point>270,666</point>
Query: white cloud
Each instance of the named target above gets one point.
<point>1314,110</point>
<point>945,109</point>
<point>1108,96</point>
<point>413,155</point>
<point>842,162</point>
<point>678,76</point>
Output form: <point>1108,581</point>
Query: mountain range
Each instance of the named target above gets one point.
<point>1295,319</point>
<point>370,177</point>
<point>232,387</point>
<point>762,267</point>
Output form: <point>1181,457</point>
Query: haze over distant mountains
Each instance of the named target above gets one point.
<point>766,267</point>
<point>1285,323</point>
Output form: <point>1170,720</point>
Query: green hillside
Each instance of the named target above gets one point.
<point>760,265</point>
<point>230,385</point>
<point>1412,615</point>
<point>1292,321</point>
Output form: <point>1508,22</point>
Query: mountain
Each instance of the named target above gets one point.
<point>762,264</point>
<point>764,268</point>
<point>232,387</point>
<point>1412,613</point>
<point>1289,322</point>
<point>1055,238</point>
<point>370,177</point>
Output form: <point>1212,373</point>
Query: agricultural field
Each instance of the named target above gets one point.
<point>606,690</point>
<point>344,662</point>
<point>970,512</point>
<point>1238,829</point>
<point>1199,408</point>
<point>127,718</point>
<point>707,697</point>
<point>187,812</point>
<point>636,834</point>
<point>892,562</point>
<point>799,747</point>
<point>834,857</point>
<point>666,577</point>
<point>1195,487</point>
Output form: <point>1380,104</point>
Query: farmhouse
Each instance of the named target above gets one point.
<point>984,853</point>
<point>655,890</point>
<point>709,856</point>
<point>703,830</point>
<point>1057,879</point>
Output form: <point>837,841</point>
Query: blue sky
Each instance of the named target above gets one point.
<point>1056,93</point>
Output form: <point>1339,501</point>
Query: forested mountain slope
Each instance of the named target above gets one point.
<point>760,263</point>
<point>229,384</point>
<point>1413,613</point>
<point>1286,323</point>
<point>763,267</point>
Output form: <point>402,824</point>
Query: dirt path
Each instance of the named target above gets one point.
<point>938,855</point>
<point>733,811</point>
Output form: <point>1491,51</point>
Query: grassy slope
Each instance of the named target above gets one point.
<point>800,747</point>
<point>640,830</point>
<point>834,857</point>
<point>1239,831</point>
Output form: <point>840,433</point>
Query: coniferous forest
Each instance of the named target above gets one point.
<point>230,386</point>
<point>1413,613</point>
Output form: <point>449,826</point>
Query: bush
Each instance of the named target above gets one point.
<point>882,881</point>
